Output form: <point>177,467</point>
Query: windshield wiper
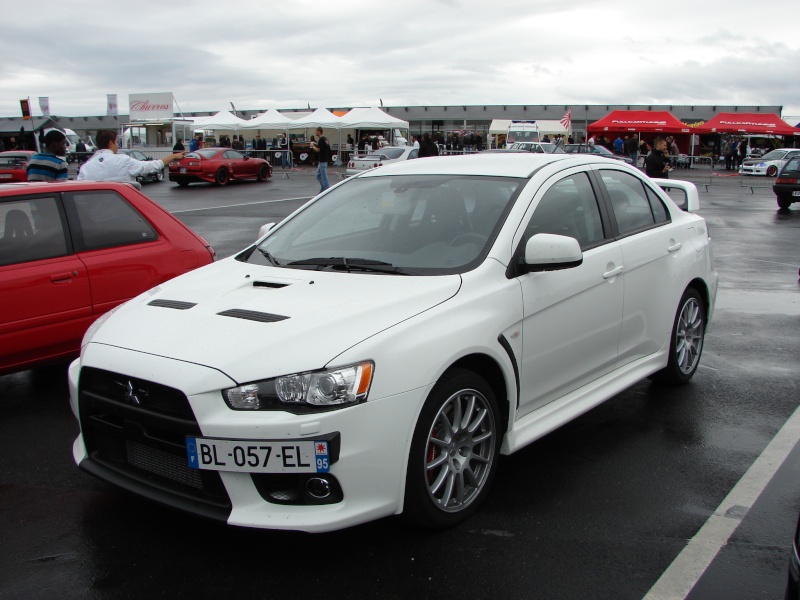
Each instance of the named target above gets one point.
<point>266,254</point>
<point>349,264</point>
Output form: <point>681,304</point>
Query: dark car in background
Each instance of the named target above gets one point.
<point>137,155</point>
<point>13,165</point>
<point>595,149</point>
<point>787,185</point>
<point>72,251</point>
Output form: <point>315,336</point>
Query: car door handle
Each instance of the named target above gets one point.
<point>63,277</point>
<point>674,247</point>
<point>612,273</point>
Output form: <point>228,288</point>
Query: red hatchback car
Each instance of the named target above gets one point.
<point>13,164</point>
<point>70,252</point>
<point>217,165</point>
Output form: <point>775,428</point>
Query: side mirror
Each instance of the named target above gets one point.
<point>265,229</point>
<point>247,157</point>
<point>550,252</point>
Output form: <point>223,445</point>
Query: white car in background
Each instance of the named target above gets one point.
<point>380,157</point>
<point>379,349</point>
<point>769,164</point>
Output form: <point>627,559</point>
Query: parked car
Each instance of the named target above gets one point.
<point>376,351</point>
<point>72,251</point>
<point>13,165</point>
<point>769,164</point>
<point>787,185</point>
<point>597,150</point>
<point>219,166</point>
<point>136,154</point>
<point>537,147</point>
<point>380,157</point>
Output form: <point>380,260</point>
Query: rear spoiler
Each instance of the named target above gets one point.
<point>691,201</point>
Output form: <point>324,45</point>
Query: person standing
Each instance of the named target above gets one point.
<point>414,142</point>
<point>195,144</point>
<point>107,165</point>
<point>427,147</point>
<point>619,145</point>
<point>178,147</point>
<point>657,162</point>
<point>48,165</point>
<point>323,148</point>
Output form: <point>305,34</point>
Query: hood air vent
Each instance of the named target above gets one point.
<point>252,315</point>
<point>176,304</point>
<point>269,284</point>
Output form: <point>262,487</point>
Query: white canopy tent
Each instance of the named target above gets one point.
<point>222,120</point>
<point>271,119</point>
<point>321,117</point>
<point>371,118</point>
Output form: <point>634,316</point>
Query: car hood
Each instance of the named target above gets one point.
<point>252,321</point>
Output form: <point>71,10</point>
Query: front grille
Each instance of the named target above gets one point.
<point>136,431</point>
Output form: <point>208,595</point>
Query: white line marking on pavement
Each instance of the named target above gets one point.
<point>175,212</point>
<point>687,568</point>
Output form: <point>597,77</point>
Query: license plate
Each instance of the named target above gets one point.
<point>796,193</point>
<point>5,175</point>
<point>183,169</point>
<point>258,456</point>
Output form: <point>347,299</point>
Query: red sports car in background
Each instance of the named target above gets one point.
<point>219,166</point>
<point>72,251</point>
<point>13,164</point>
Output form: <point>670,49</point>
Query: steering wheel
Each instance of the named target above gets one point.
<point>469,236</point>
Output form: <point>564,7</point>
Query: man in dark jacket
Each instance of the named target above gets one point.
<point>657,162</point>
<point>427,147</point>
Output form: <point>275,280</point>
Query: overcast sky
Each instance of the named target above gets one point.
<point>292,53</point>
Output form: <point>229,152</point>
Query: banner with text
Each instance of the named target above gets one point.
<point>144,107</point>
<point>44,105</point>
<point>111,105</point>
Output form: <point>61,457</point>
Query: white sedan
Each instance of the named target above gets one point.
<point>769,164</point>
<point>377,351</point>
<point>381,157</point>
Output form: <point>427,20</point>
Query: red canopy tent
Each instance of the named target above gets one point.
<point>752,123</point>
<point>640,121</point>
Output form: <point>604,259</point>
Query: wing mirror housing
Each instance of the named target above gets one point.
<point>265,229</point>
<point>550,252</point>
<point>683,193</point>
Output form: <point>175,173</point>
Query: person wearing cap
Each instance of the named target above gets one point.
<point>107,165</point>
<point>48,165</point>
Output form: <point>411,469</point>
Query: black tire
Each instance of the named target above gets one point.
<point>182,182</point>
<point>686,343</point>
<point>222,178</point>
<point>263,173</point>
<point>784,202</point>
<point>772,171</point>
<point>454,451</point>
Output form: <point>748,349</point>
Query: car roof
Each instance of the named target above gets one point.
<point>35,187</point>
<point>17,152</point>
<point>511,164</point>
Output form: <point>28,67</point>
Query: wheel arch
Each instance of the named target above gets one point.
<point>702,288</point>
<point>490,370</point>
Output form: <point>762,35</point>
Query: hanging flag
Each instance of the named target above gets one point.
<point>25,104</point>
<point>566,120</point>
<point>44,105</point>
<point>111,103</point>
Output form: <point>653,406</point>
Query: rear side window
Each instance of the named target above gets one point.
<point>633,205</point>
<point>792,167</point>
<point>106,219</point>
<point>32,229</point>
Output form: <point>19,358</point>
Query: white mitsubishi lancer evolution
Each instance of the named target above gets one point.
<point>377,351</point>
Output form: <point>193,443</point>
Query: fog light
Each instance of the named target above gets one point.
<point>318,488</point>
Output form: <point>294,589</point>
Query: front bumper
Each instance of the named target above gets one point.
<point>753,170</point>
<point>369,476</point>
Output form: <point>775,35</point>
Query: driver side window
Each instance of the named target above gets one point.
<point>569,208</point>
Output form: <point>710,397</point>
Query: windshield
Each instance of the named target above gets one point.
<point>387,152</point>
<point>14,161</point>
<point>522,135</point>
<point>410,224</point>
<point>774,155</point>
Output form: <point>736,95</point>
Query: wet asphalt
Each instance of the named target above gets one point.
<point>598,509</point>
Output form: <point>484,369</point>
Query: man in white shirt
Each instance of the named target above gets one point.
<point>107,165</point>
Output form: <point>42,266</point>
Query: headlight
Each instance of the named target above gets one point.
<point>330,388</point>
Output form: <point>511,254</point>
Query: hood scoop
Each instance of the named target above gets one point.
<point>252,315</point>
<point>176,304</point>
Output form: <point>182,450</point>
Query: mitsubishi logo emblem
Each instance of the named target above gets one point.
<point>130,394</point>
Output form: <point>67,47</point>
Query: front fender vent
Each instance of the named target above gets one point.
<point>176,304</point>
<point>252,315</point>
